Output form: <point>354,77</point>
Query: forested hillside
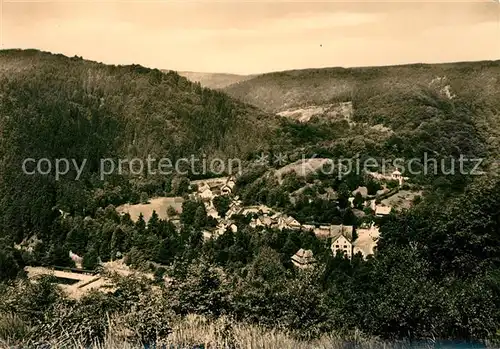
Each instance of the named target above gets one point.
<point>280,90</point>
<point>52,106</point>
<point>440,109</point>
<point>412,99</point>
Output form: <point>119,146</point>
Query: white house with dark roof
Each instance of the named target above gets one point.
<point>341,244</point>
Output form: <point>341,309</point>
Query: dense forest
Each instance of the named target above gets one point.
<point>57,107</point>
<point>436,270</point>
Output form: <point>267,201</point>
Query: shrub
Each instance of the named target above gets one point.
<point>144,198</point>
<point>13,329</point>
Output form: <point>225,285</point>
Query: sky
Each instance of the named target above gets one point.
<point>246,37</point>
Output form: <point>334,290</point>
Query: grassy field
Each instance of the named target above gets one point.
<point>160,205</point>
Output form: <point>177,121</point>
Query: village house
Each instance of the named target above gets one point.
<point>235,207</point>
<point>176,222</point>
<point>222,227</point>
<point>396,175</point>
<point>205,193</point>
<point>267,221</point>
<point>308,227</point>
<point>342,244</point>
<point>276,221</point>
<point>256,222</point>
<point>219,230</point>
<point>303,259</point>
<point>227,188</point>
<point>288,222</point>
<point>212,212</point>
<point>365,243</point>
<point>362,190</point>
<point>215,191</point>
<point>207,235</point>
<point>260,209</point>
<point>322,231</point>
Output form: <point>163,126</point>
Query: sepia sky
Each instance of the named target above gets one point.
<point>258,36</point>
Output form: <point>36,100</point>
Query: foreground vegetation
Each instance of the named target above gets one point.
<point>199,332</point>
<point>140,315</point>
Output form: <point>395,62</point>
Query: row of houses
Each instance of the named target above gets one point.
<point>263,216</point>
<point>396,176</point>
<point>364,244</point>
<point>210,188</point>
<point>276,221</point>
<point>341,235</point>
<point>207,190</point>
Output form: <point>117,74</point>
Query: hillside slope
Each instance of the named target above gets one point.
<point>437,102</point>
<point>147,110</point>
<point>52,106</point>
<point>281,90</point>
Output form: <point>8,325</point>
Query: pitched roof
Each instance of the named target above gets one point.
<point>267,221</point>
<point>303,258</point>
<point>291,221</point>
<point>334,231</point>
<point>304,253</point>
<point>341,235</point>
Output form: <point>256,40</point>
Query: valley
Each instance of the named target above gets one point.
<point>301,238</point>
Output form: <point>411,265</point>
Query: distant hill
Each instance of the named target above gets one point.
<point>280,90</point>
<point>214,80</point>
<point>406,98</point>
